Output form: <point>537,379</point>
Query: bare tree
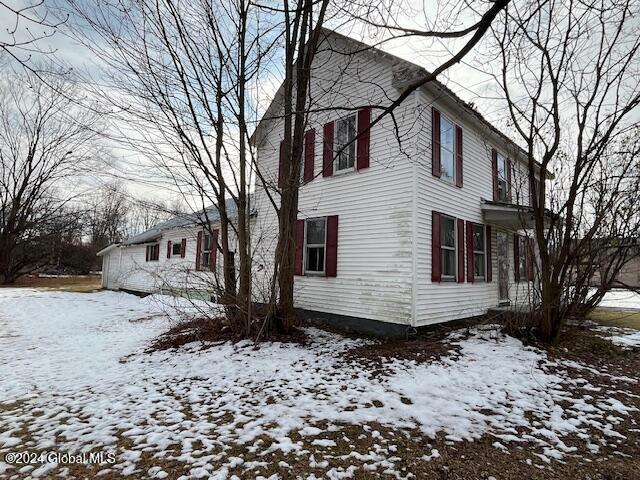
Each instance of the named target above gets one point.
<point>45,141</point>
<point>179,76</point>
<point>184,77</point>
<point>568,72</point>
<point>303,22</point>
<point>28,23</point>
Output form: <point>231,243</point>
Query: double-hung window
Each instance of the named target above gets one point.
<point>503,194</point>
<point>448,246</point>
<point>207,247</point>
<point>522,257</point>
<point>479,249</point>
<point>345,144</point>
<point>176,248</point>
<point>153,252</point>
<point>315,240</point>
<point>447,149</point>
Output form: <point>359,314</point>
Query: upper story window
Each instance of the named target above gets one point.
<point>478,240</point>
<point>176,249</point>
<point>447,149</point>
<point>345,136</point>
<point>315,236</point>
<point>448,246</point>
<point>503,193</point>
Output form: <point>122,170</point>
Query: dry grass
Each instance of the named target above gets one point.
<point>79,283</point>
<point>613,317</point>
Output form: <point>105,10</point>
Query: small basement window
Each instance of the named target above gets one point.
<point>315,237</point>
<point>345,135</point>
<point>448,247</point>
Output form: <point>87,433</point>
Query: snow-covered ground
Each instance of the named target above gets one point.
<point>74,376</point>
<point>619,298</point>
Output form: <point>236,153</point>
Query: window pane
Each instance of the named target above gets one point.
<point>205,260</point>
<point>478,265</point>
<point>176,248</point>
<point>502,167</point>
<point>502,190</point>
<point>448,263</point>
<point>206,244</point>
<point>478,238</point>
<point>345,133</point>
<point>447,163</point>
<point>446,134</point>
<point>448,226</point>
<point>523,256</point>
<point>315,259</point>
<point>315,231</point>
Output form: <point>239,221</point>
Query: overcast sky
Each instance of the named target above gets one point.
<point>468,80</point>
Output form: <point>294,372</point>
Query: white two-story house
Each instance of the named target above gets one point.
<point>419,222</point>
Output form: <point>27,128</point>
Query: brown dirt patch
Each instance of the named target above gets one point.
<point>210,332</point>
<point>77,283</point>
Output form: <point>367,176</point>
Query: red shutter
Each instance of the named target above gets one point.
<point>516,257</point>
<point>331,267</point>
<point>281,165</point>
<point>156,256</point>
<point>213,256</point>
<point>530,259</point>
<point>488,276</point>
<point>460,233</point>
<point>146,259</point>
<point>494,173</point>
<point>436,254</point>
<point>470,263</point>
<point>183,248</point>
<point>435,143</point>
<point>364,120</point>
<point>309,155</point>
<point>169,249</point>
<point>297,270</point>
<point>327,150</point>
<point>198,250</point>
<point>509,180</point>
<point>458,156</point>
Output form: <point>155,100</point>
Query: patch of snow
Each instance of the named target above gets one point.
<point>628,340</point>
<point>73,369</point>
<point>322,442</point>
<point>621,298</point>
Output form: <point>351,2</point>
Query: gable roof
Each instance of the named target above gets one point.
<point>404,71</point>
<point>210,213</point>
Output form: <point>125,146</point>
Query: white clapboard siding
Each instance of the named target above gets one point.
<point>440,302</point>
<point>374,205</point>
<point>129,270</point>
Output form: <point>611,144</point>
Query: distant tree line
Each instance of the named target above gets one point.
<point>50,219</point>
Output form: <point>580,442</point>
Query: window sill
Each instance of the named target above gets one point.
<point>344,171</point>
<point>451,183</point>
<point>314,274</point>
